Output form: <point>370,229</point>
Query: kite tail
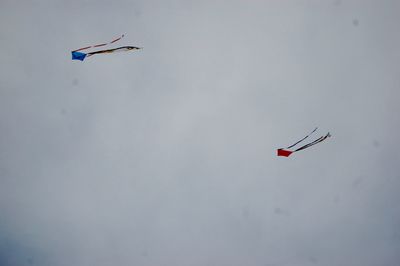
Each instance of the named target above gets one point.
<point>123,48</point>
<point>314,142</point>
<point>302,139</point>
<point>101,44</point>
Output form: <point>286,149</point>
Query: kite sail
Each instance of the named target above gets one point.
<point>77,55</point>
<point>286,152</point>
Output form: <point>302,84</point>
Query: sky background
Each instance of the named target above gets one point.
<point>167,155</point>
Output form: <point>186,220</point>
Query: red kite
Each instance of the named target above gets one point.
<point>286,153</point>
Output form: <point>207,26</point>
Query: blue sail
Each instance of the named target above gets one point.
<point>78,56</point>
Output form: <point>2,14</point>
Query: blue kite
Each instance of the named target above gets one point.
<point>76,55</point>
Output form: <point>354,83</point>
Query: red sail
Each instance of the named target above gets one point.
<point>282,152</point>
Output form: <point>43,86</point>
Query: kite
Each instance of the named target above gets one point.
<point>286,153</point>
<point>77,55</point>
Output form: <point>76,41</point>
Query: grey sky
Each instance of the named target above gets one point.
<point>166,155</point>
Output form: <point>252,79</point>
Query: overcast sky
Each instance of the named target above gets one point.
<point>167,155</point>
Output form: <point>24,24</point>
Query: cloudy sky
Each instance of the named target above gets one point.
<point>167,155</point>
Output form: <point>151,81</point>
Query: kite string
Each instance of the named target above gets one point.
<point>302,139</point>
<point>99,45</point>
